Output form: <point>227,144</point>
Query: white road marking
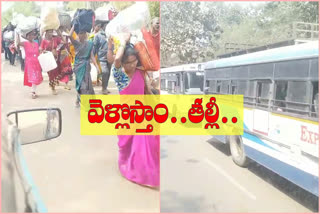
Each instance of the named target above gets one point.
<point>233,181</point>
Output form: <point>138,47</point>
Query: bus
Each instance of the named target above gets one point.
<point>182,79</point>
<point>281,105</point>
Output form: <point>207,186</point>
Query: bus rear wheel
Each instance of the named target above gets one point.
<point>237,151</point>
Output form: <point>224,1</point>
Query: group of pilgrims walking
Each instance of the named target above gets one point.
<point>75,51</point>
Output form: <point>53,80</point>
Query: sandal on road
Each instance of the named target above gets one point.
<point>33,95</point>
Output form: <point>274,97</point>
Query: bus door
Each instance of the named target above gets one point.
<point>261,112</point>
<point>186,84</point>
<point>178,84</point>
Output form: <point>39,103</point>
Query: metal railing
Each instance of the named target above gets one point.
<point>305,31</point>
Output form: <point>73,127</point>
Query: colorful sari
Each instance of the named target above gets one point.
<point>82,67</point>
<point>139,155</point>
<point>64,65</point>
<point>49,45</point>
<point>153,46</point>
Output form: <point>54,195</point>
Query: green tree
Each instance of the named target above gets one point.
<point>121,5</point>
<point>195,32</point>
<point>189,32</point>
<point>27,8</point>
<point>154,8</point>
<point>74,5</point>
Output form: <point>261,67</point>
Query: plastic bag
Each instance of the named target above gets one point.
<point>132,18</point>
<point>49,19</point>
<point>136,36</point>
<point>93,72</point>
<point>8,35</point>
<point>29,24</point>
<point>18,18</point>
<point>65,20</point>
<point>144,57</point>
<point>102,13</point>
<point>83,20</point>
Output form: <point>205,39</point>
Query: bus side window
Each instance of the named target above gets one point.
<point>212,86</point>
<point>315,100</point>
<point>186,81</point>
<point>249,99</point>
<point>280,95</point>
<point>163,84</point>
<point>242,87</point>
<point>299,97</point>
<point>201,83</point>
<point>263,93</point>
<point>218,87</point>
<point>225,88</point>
<point>316,105</point>
<point>233,89</point>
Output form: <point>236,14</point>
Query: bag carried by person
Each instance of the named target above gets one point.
<point>12,48</point>
<point>8,35</point>
<point>47,61</point>
<point>83,20</point>
<point>17,18</point>
<point>144,57</point>
<point>132,18</point>
<point>49,19</point>
<point>103,13</point>
<point>65,20</point>
<point>29,24</point>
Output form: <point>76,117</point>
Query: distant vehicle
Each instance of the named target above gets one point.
<point>183,79</point>
<point>281,105</point>
<point>19,194</point>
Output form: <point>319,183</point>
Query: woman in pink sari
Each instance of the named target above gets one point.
<point>138,154</point>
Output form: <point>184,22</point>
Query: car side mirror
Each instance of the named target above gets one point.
<point>36,125</point>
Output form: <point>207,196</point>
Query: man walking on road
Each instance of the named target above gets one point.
<point>100,45</point>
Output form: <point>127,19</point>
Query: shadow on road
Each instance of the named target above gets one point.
<point>173,202</point>
<point>295,192</point>
<point>298,194</point>
<point>224,148</point>
<point>163,153</point>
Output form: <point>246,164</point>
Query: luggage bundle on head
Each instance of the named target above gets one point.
<point>104,13</point>
<point>144,52</point>
<point>65,20</point>
<point>132,18</point>
<point>29,24</point>
<point>17,18</point>
<point>83,20</point>
<point>49,19</point>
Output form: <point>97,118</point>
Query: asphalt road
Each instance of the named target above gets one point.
<point>198,175</point>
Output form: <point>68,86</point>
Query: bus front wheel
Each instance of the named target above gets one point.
<point>237,151</point>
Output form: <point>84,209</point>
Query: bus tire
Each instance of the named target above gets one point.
<point>237,151</point>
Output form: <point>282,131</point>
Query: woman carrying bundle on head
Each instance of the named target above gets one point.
<point>32,69</point>
<point>53,44</point>
<point>83,51</point>
<point>139,155</point>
